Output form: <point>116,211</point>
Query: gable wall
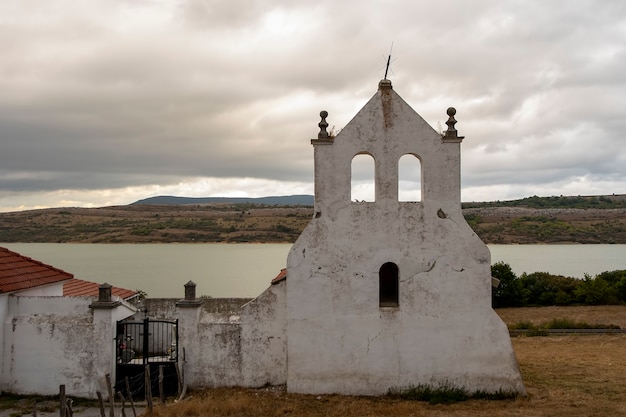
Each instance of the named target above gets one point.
<point>339,339</point>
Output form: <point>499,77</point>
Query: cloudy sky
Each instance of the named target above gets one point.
<point>105,102</point>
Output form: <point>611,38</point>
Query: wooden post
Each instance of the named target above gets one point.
<point>62,400</point>
<point>148,390</point>
<point>70,411</point>
<point>161,391</point>
<point>35,409</point>
<point>119,393</point>
<point>130,396</point>
<point>182,381</point>
<point>179,389</point>
<point>111,397</point>
<point>101,403</point>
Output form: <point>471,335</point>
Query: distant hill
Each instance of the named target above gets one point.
<point>614,201</point>
<point>288,200</point>
<point>580,219</point>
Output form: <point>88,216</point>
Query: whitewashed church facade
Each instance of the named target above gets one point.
<point>387,293</point>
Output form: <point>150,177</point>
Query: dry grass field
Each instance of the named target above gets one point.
<point>590,314</point>
<point>230,223</point>
<point>564,376</point>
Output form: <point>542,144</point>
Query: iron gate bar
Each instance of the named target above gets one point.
<point>148,342</point>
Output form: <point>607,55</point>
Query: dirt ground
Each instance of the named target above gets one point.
<point>51,409</point>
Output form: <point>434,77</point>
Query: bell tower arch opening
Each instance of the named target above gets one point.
<point>409,178</point>
<point>363,179</point>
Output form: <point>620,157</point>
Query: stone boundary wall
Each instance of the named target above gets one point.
<point>165,308</point>
<point>231,341</point>
<point>49,341</point>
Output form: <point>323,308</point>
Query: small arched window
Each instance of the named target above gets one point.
<point>362,183</point>
<point>388,285</point>
<point>409,178</point>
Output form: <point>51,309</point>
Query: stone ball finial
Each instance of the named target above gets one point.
<point>451,132</point>
<point>385,85</point>
<point>323,124</point>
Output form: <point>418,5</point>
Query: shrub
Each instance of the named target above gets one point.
<point>522,325</point>
<point>617,281</point>
<point>545,289</point>
<point>445,393</point>
<point>509,292</point>
<point>563,323</point>
<point>593,291</point>
<point>542,288</point>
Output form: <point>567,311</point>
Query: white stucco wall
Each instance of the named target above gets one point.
<point>49,341</point>
<point>264,338</point>
<point>50,290</point>
<point>245,346</point>
<point>4,312</point>
<point>444,329</point>
<point>55,289</point>
<point>212,349</point>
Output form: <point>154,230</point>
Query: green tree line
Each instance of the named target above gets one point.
<point>545,289</point>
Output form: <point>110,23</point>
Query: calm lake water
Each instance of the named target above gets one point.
<point>245,270</point>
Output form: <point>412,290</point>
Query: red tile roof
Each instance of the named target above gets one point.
<point>77,287</point>
<point>282,276</point>
<point>19,272</point>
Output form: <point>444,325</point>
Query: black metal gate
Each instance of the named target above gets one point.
<point>153,344</point>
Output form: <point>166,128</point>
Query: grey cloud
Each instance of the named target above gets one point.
<point>93,100</point>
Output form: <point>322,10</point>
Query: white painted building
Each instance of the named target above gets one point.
<point>387,293</point>
<point>48,338</point>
